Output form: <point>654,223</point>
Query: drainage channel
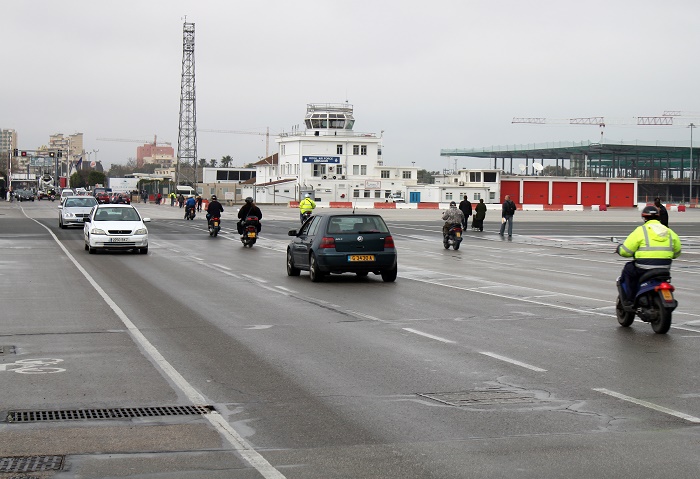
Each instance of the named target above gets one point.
<point>31,464</point>
<point>110,413</point>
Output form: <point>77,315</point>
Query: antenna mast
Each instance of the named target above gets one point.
<point>187,135</point>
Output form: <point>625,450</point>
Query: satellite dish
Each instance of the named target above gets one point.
<point>538,167</point>
<point>522,168</point>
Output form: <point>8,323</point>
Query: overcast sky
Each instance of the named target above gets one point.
<point>431,74</point>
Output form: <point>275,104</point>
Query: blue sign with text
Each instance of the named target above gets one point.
<point>320,159</point>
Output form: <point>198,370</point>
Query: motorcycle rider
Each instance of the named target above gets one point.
<point>652,245</point>
<point>307,204</point>
<point>190,205</point>
<point>452,216</point>
<point>214,209</point>
<point>249,208</point>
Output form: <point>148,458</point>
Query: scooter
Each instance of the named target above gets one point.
<point>453,237</point>
<point>249,228</point>
<point>189,213</point>
<point>654,302</point>
<point>305,216</point>
<point>214,226</point>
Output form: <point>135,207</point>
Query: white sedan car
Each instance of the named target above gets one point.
<point>73,209</point>
<point>115,226</point>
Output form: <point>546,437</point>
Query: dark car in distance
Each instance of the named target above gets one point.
<point>342,243</point>
<point>25,195</point>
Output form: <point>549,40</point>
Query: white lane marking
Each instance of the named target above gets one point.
<point>260,326</point>
<point>221,266</point>
<point>242,447</point>
<point>563,272</point>
<point>259,280</point>
<point>513,361</point>
<point>286,289</point>
<point>437,338</point>
<point>641,402</point>
<point>196,258</point>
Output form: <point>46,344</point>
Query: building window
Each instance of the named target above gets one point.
<point>492,195</point>
<point>356,193</point>
<point>385,174</point>
<point>363,149</point>
<point>387,193</point>
<point>339,169</point>
<point>448,196</point>
<point>339,149</point>
<point>319,170</point>
<point>406,175</point>
<point>282,149</point>
<point>367,193</point>
<point>475,176</point>
<point>477,196</point>
<point>355,149</point>
<point>489,176</point>
<point>377,193</point>
<point>355,169</point>
<point>363,169</point>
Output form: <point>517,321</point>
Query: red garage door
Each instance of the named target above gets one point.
<point>511,188</point>
<point>564,193</point>
<point>622,194</point>
<point>536,192</point>
<point>592,194</point>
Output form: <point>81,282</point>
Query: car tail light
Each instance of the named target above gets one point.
<point>389,242</point>
<point>327,242</point>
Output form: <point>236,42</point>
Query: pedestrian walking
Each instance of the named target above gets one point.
<point>479,216</point>
<point>199,202</point>
<point>465,207</point>
<point>663,213</point>
<point>181,200</point>
<point>507,211</point>
<point>159,198</point>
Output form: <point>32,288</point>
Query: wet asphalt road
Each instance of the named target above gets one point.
<point>502,359</point>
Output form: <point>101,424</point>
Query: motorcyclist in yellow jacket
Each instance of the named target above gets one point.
<point>652,245</point>
<point>307,204</point>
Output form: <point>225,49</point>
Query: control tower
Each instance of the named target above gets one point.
<point>329,116</point>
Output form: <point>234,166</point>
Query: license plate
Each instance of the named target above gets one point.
<point>361,257</point>
<point>119,240</point>
<point>458,234</point>
<point>216,223</point>
<point>667,295</point>
<point>251,235</point>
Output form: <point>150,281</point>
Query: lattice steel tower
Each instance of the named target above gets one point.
<point>187,136</point>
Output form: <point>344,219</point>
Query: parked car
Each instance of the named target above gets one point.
<point>342,243</point>
<point>74,209</point>
<point>115,227</point>
<point>24,195</point>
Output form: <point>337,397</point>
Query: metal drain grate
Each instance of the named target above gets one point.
<point>7,350</point>
<point>468,398</point>
<point>31,463</point>
<point>115,413</point>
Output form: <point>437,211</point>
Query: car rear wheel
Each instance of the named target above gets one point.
<point>291,269</point>
<point>314,273</point>
<point>389,276</point>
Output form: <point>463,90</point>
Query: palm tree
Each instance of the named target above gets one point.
<point>202,162</point>
<point>226,161</point>
<point>212,163</point>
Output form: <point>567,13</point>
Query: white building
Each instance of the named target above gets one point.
<point>484,184</point>
<point>331,161</point>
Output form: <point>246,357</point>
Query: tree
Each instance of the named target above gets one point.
<point>551,170</point>
<point>226,161</point>
<point>202,162</point>
<point>96,177</point>
<point>77,180</point>
<point>426,177</point>
<point>213,162</point>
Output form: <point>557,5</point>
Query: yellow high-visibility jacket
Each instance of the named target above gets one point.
<point>307,204</point>
<point>652,245</point>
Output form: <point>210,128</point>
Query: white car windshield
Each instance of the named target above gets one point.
<point>117,214</point>
<point>86,202</point>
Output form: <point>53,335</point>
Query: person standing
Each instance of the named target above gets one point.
<point>663,213</point>
<point>479,215</point>
<point>507,212</point>
<point>466,207</point>
<point>199,202</point>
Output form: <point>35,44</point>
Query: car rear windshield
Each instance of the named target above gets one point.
<point>357,224</point>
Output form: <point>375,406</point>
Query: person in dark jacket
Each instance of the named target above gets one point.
<point>249,208</point>
<point>479,215</point>
<point>466,207</point>
<point>663,214</point>
<point>507,212</point>
<point>214,209</point>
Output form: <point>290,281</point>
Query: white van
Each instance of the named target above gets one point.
<point>184,190</point>
<point>67,192</point>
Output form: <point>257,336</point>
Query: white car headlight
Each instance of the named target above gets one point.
<point>98,231</point>
<point>141,231</point>
<point>68,214</point>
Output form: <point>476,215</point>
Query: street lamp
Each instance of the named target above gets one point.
<point>95,152</point>
<point>690,196</point>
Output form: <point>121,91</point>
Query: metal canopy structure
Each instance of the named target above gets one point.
<point>661,162</point>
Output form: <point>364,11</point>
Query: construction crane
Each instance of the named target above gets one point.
<point>235,132</point>
<point>600,121</point>
<point>155,141</point>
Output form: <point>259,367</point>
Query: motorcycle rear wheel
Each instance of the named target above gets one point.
<point>456,245</point>
<point>662,323</point>
<point>623,317</point>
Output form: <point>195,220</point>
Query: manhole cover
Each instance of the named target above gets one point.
<point>467,398</point>
<point>31,463</point>
<point>114,413</point>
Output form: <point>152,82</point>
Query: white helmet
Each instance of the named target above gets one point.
<point>307,195</point>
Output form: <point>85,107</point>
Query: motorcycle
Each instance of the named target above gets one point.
<point>189,213</point>
<point>249,231</point>
<point>214,226</point>
<point>654,302</point>
<point>453,237</point>
<point>305,216</point>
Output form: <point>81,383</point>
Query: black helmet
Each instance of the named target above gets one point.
<point>213,197</point>
<point>650,213</point>
<point>452,203</point>
<point>249,200</point>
